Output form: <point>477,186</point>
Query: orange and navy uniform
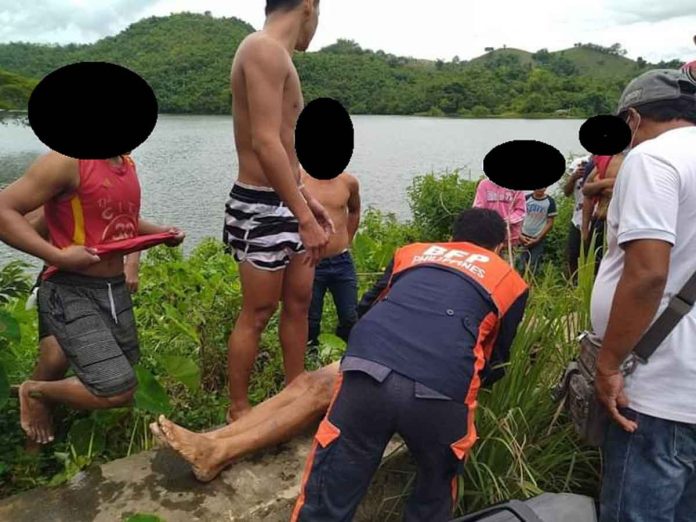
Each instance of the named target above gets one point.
<point>442,325</point>
<point>103,209</point>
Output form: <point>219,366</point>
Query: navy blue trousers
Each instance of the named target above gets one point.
<point>351,440</point>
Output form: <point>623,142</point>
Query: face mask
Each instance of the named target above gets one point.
<point>633,133</point>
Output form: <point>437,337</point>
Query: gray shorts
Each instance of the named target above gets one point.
<point>92,320</point>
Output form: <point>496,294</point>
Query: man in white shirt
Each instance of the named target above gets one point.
<point>650,450</point>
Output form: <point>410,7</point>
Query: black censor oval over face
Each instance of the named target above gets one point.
<point>324,138</point>
<point>605,135</point>
<point>93,110</point>
<point>524,165</point>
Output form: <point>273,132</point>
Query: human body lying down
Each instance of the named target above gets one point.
<point>474,302</point>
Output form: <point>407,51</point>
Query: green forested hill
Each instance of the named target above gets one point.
<point>14,90</point>
<point>186,58</point>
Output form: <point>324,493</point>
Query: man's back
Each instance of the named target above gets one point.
<point>655,198</point>
<point>258,58</point>
<point>440,315</point>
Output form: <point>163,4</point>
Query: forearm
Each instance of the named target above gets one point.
<point>586,214</point>
<point>594,188</point>
<point>274,161</point>
<point>353,224</point>
<point>641,294</point>
<point>569,186</point>
<point>133,259</point>
<point>145,228</point>
<point>544,232</point>
<point>370,298</point>
<point>17,232</point>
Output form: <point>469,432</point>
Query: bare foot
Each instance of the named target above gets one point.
<point>197,450</point>
<point>35,415</point>
<point>157,432</point>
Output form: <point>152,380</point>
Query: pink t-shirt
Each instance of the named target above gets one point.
<point>509,204</point>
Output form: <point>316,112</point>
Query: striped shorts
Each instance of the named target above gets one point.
<point>259,228</point>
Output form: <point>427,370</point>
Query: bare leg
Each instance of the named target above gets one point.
<point>209,456</point>
<point>70,392</point>
<point>261,412</point>
<point>260,295</point>
<point>297,295</point>
<point>266,409</point>
<point>36,415</point>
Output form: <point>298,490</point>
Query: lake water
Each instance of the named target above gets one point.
<point>188,164</point>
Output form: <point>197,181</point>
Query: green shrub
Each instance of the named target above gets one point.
<point>435,201</point>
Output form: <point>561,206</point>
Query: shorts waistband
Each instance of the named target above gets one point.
<point>252,194</point>
<point>338,257</point>
<point>71,279</point>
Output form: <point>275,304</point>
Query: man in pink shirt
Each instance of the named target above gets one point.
<point>509,204</point>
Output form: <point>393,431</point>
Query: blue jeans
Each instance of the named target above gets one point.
<point>649,475</point>
<point>337,275</point>
<point>530,256</point>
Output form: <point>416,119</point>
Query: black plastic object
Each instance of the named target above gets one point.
<point>516,507</point>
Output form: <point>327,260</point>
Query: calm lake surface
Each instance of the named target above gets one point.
<point>189,163</point>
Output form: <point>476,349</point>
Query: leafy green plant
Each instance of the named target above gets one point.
<point>435,200</point>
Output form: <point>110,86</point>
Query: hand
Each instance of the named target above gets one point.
<point>75,258</point>
<point>607,192</point>
<point>579,172</point>
<point>131,272</point>
<point>610,392</point>
<point>314,239</point>
<point>177,239</point>
<point>321,215</point>
<point>585,235</point>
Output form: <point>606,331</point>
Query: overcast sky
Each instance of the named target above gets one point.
<point>653,29</point>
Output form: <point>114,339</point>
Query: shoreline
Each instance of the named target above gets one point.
<point>18,113</point>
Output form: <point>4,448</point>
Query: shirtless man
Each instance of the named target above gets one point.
<point>336,273</point>
<point>276,230</point>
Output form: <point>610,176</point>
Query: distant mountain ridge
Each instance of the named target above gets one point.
<point>186,58</point>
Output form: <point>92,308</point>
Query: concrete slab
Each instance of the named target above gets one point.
<point>260,488</point>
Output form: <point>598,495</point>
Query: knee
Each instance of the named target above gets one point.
<point>303,382</point>
<point>122,399</point>
<point>260,315</point>
<point>296,307</point>
<point>321,389</point>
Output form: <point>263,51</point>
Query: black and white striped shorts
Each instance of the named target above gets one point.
<point>259,228</point>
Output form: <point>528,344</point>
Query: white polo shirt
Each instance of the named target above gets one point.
<point>655,198</point>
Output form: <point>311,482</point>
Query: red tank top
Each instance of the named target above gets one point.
<point>105,207</point>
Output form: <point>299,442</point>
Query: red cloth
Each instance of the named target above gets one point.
<point>134,244</point>
<point>602,162</point>
<point>123,247</point>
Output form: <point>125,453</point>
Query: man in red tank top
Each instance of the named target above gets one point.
<point>86,321</point>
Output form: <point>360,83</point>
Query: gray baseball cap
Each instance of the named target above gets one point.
<point>656,85</point>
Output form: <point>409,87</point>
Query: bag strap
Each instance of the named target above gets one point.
<point>678,307</point>
<point>518,508</point>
